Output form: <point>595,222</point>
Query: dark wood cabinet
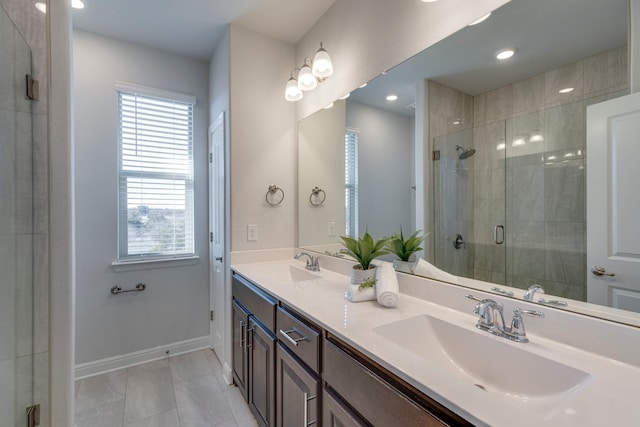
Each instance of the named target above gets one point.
<point>239,324</point>
<point>336,414</point>
<point>298,392</point>
<point>261,349</point>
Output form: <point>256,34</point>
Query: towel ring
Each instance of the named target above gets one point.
<point>273,189</point>
<point>315,194</point>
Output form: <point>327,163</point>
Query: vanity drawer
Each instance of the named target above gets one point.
<point>376,396</point>
<point>300,337</point>
<point>256,301</point>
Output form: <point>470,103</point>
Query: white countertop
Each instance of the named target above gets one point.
<point>609,397</point>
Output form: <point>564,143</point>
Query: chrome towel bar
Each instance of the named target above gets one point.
<point>118,290</point>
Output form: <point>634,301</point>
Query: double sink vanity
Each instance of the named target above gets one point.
<point>304,355</point>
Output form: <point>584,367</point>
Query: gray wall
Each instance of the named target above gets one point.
<point>175,305</point>
<point>384,176</point>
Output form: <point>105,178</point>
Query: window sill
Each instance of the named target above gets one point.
<point>120,266</point>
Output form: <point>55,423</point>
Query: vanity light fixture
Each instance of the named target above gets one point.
<point>291,91</point>
<point>392,97</point>
<point>536,137</point>
<point>519,141</point>
<point>306,79</point>
<point>309,75</point>
<point>566,90</point>
<point>429,1</point>
<point>77,4</point>
<point>346,96</point>
<point>42,7</point>
<point>362,85</point>
<point>328,106</point>
<point>506,53</point>
<point>501,146</point>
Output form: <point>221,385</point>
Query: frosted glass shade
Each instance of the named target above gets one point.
<point>306,80</point>
<point>322,65</point>
<point>291,91</point>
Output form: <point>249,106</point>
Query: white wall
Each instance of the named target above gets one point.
<point>263,140</point>
<point>384,177</point>
<point>367,37</point>
<point>175,306</point>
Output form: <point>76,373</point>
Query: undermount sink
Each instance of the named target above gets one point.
<point>489,363</point>
<point>282,272</point>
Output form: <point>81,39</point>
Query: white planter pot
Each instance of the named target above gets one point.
<point>358,275</point>
<point>403,266</point>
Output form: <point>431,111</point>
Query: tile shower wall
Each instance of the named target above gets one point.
<point>528,173</point>
<point>24,328</point>
<point>545,168</point>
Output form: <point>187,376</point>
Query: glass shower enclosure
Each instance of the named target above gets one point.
<point>16,229</point>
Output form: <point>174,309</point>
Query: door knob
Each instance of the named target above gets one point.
<point>600,271</point>
<point>218,258</point>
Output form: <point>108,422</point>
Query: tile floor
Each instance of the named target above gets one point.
<point>182,391</point>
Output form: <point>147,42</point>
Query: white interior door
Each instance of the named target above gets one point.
<point>216,236</point>
<point>613,203</point>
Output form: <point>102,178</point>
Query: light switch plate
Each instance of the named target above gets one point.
<point>252,232</point>
<point>332,228</point>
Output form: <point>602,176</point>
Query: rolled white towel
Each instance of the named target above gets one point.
<point>354,294</point>
<point>426,269</point>
<point>387,291</point>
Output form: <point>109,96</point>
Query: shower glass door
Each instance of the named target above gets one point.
<point>470,215</point>
<point>16,229</point>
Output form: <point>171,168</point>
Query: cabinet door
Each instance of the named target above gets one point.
<point>336,414</point>
<point>261,373</point>
<point>239,348</point>
<point>298,399</point>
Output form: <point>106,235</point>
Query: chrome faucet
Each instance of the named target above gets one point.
<point>312,262</point>
<point>492,320</point>
<point>531,292</point>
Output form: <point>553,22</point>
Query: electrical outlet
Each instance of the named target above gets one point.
<point>332,228</point>
<point>252,232</point>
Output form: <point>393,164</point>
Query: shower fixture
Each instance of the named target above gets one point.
<point>464,153</point>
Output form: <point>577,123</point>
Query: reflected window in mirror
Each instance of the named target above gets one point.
<point>351,182</point>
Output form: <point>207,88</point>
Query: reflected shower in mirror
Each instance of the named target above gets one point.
<point>499,181</point>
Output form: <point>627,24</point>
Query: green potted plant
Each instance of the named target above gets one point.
<point>364,250</point>
<point>404,249</point>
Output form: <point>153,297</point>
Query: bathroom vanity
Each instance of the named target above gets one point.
<point>304,355</point>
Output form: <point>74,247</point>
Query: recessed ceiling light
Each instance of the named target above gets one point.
<point>392,97</point>
<point>77,4</point>
<point>506,53</point>
<point>566,90</point>
<point>481,19</point>
<point>42,7</point>
<point>346,96</point>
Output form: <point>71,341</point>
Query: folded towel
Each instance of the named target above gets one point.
<point>387,291</point>
<point>354,294</point>
<point>426,269</point>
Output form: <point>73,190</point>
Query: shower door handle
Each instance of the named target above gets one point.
<point>495,234</point>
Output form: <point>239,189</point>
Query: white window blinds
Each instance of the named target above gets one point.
<point>351,182</point>
<point>155,142</point>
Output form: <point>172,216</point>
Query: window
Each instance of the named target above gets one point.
<point>155,170</point>
<point>351,182</point>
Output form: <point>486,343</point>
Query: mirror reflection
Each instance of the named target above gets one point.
<point>486,156</point>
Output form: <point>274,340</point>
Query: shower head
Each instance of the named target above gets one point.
<point>465,154</point>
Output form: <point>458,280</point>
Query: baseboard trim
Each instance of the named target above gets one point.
<point>90,369</point>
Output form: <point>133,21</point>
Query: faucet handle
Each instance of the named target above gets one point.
<point>517,331</point>
<point>531,292</point>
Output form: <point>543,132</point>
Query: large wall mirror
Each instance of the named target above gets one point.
<point>486,157</point>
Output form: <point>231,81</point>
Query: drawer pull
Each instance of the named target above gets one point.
<point>242,336</point>
<point>293,341</point>
<point>306,409</point>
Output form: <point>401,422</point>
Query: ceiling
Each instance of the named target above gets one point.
<point>193,28</point>
<point>547,33</point>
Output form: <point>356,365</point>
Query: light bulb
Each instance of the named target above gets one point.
<point>306,80</point>
<point>291,91</point>
<point>506,53</point>
<point>322,65</point>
